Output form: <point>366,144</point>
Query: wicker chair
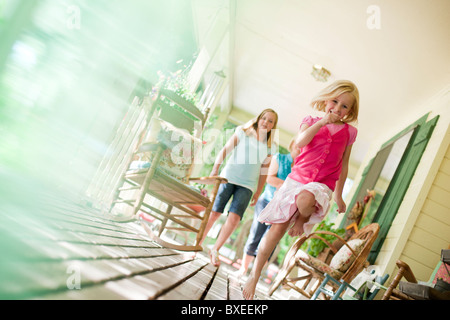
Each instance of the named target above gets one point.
<point>316,269</point>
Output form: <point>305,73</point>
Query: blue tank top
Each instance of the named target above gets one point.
<point>284,168</point>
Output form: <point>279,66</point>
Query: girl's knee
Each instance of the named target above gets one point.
<point>306,197</point>
<point>306,202</point>
<point>234,218</point>
<point>214,216</point>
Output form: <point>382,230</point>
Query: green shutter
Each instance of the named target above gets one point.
<point>373,169</point>
<point>400,183</point>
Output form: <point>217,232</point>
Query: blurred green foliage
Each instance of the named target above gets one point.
<point>315,246</point>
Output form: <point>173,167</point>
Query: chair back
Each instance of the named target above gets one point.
<point>177,124</point>
<point>181,113</point>
<point>369,233</point>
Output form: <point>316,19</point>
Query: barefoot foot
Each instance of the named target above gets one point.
<point>296,230</point>
<point>249,288</point>
<point>239,274</point>
<point>214,257</point>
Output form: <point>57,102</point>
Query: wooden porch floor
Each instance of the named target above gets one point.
<point>65,250</point>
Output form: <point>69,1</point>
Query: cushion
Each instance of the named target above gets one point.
<point>344,257</point>
<point>178,158</point>
<point>442,273</point>
<point>320,266</point>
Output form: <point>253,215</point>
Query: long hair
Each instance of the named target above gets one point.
<point>253,125</point>
<point>335,90</point>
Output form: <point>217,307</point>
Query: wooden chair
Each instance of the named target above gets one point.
<point>415,291</point>
<point>403,271</point>
<point>160,169</point>
<point>315,269</point>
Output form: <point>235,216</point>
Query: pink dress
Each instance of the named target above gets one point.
<point>316,170</point>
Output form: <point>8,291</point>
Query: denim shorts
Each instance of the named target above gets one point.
<point>257,230</point>
<point>241,198</point>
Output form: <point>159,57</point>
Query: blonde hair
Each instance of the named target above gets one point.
<point>335,90</point>
<point>253,125</point>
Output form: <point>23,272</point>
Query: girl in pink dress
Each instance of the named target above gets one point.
<point>319,171</point>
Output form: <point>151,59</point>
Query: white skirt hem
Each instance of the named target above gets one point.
<point>283,206</point>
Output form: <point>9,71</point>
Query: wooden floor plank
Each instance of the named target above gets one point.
<point>234,289</point>
<point>218,289</point>
<point>70,251</point>
<point>153,285</point>
<point>195,287</point>
<point>52,277</point>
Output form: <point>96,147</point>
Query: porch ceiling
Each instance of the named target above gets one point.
<point>398,64</point>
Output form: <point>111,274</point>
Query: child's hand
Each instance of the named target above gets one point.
<point>342,207</point>
<point>254,200</point>
<point>330,117</point>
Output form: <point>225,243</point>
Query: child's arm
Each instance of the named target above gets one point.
<point>229,146</point>
<point>340,183</point>
<point>307,133</point>
<point>272,178</point>
<point>261,181</point>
